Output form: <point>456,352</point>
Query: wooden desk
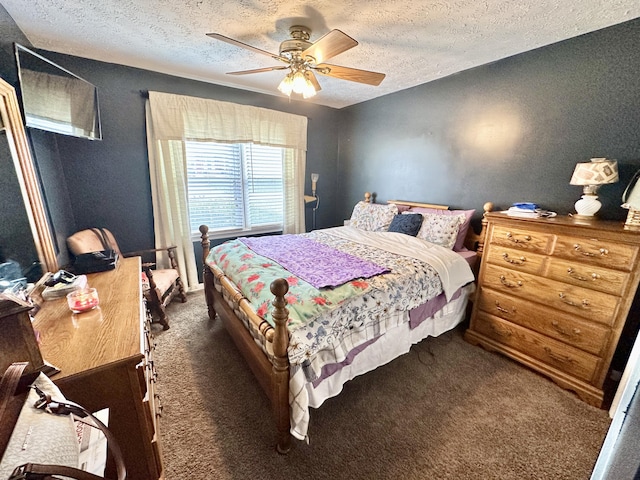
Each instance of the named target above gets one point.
<point>104,357</point>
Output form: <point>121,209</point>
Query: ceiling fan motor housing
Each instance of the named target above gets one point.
<point>298,43</point>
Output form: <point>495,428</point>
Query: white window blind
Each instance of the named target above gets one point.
<point>235,189</point>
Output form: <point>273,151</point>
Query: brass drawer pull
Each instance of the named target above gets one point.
<point>501,309</point>
<point>558,357</point>
<point>600,253</point>
<point>573,333</point>
<point>527,238</point>
<point>518,261</point>
<point>507,283</point>
<point>572,273</point>
<point>563,298</point>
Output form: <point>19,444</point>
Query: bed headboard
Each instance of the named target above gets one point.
<point>473,241</point>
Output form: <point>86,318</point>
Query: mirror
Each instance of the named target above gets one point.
<point>15,143</point>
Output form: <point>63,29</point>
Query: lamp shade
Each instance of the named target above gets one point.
<point>599,171</point>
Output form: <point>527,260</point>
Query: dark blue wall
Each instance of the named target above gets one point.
<point>108,180</point>
<point>504,132</point>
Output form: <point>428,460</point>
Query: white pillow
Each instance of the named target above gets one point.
<point>373,217</point>
<point>441,229</point>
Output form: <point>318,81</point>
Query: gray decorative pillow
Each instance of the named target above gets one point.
<point>407,224</point>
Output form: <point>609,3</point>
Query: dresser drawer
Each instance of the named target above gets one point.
<point>588,276</point>
<point>567,359</point>
<point>583,334</point>
<point>590,304</point>
<point>515,259</point>
<point>521,239</point>
<point>597,252</point>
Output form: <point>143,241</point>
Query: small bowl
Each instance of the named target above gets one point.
<point>83,300</point>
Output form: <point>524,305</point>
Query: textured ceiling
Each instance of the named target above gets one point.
<point>411,41</point>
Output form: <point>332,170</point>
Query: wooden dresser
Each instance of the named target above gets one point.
<point>105,361</point>
<point>554,294</point>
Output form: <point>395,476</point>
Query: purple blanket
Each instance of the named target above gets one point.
<point>313,262</point>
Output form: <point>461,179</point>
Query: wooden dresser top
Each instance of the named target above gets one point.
<point>109,334</point>
<point>573,225</point>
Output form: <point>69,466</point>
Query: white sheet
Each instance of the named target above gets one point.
<point>453,270</point>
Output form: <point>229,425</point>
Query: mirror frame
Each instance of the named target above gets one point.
<point>27,177</point>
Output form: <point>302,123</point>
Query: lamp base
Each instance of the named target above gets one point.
<point>588,206</point>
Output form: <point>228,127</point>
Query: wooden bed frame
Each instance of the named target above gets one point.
<point>273,372</point>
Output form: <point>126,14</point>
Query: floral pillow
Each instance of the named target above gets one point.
<point>441,229</point>
<point>373,217</point>
<point>462,233</point>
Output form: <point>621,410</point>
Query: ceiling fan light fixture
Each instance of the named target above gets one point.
<point>304,57</point>
<point>286,85</point>
<point>299,82</point>
<point>309,90</point>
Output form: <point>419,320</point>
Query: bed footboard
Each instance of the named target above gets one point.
<point>272,372</point>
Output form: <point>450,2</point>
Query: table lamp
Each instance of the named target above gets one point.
<point>591,175</point>
<point>631,201</point>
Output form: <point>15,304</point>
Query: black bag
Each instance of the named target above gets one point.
<point>99,261</point>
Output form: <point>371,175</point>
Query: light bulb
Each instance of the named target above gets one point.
<point>299,82</point>
<point>286,85</point>
<point>309,90</point>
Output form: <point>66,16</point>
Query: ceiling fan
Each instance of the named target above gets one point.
<point>303,58</point>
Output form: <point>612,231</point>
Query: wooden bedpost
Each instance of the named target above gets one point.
<point>280,399</point>
<point>487,207</point>
<point>207,274</point>
<point>367,197</point>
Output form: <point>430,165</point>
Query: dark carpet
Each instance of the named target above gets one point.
<point>446,409</point>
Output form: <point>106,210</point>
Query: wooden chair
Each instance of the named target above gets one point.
<point>160,285</point>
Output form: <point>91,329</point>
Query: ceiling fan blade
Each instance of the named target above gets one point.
<point>314,81</point>
<point>351,74</point>
<point>237,43</point>
<point>257,70</point>
<point>329,45</point>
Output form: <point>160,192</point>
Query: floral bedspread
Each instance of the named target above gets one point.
<point>320,332</point>
<point>253,274</point>
<point>316,323</point>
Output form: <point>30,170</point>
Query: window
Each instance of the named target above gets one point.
<point>235,189</point>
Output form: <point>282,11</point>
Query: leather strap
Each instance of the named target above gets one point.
<point>10,404</point>
<point>67,407</point>
<point>45,472</point>
<point>100,233</point>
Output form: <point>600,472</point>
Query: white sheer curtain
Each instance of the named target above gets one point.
<point>172,119</point>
